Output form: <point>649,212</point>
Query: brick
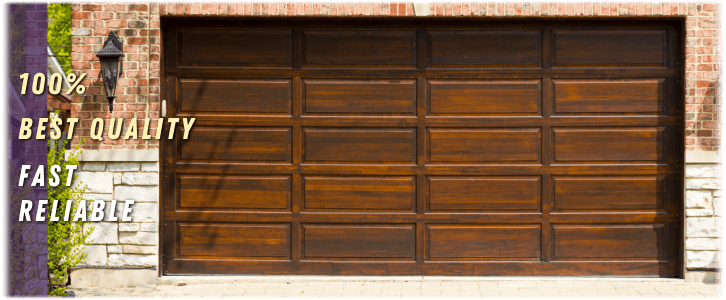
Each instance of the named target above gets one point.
<point>136,24</point>
<point>81,32</point>
<point>91,7</point>
<point>76,15</point>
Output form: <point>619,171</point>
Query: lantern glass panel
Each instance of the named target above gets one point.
<point>109,71</point>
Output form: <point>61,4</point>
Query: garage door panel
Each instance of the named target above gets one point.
<point>330,242</point>
<point>484,48</point>
<point>244,48</point>
<point>484,98</point>
<point>270,96</point>
<point>221,240</point>
<point>491,145</point>
<point>612,193</point>
<point>624,145</point>
<point>238,144</point>
<point>483,193</point>
<point>360,145</point>
<point>424,147</point>
<point>359,48</point>
<point>608,96</point>
<point>483,242</point>
<point>360,97</point>
<point>372,193</point>
<point>611,242</point>
<point>610,48</point>
<point>235,192</point>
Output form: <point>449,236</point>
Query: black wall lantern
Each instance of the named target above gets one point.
<point>111,65</point>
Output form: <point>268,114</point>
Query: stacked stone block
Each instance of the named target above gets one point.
<point>123,244</point>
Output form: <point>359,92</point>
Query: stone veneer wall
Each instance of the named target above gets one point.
<point>128,177</point>
<point>139,87</point>
<point>703,210</point>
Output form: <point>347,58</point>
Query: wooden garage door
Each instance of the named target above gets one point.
<point>390,147</point>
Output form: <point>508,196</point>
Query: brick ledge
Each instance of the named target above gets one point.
<point>112,155</point>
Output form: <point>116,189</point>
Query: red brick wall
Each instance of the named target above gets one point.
<point>139,25</point>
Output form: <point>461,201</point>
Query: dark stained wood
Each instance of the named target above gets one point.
<point>240,192</point>
<point>251,241</point>
<point>251,48</point>
<point>238,144</point>
<point>483,48</point>
<point>485,145</point>
<point>424,146</point>
<point>609,144</point>
<point>360,48</point>
<point>389,145</point>
<point>238,96</point>
<point>359,193</point>
<point>482,98</point>
<point>375,97</point>
<point>481,242</point>
<point>470,194</point>
<point>609,193</point>
<point>609,96</point>
<point>610,48</point>
<point>622,242</point>
<point>358,241</point>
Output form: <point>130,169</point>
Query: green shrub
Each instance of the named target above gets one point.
<point>66,239</point>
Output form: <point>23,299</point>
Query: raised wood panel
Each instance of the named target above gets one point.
<point>615,242</point>
<point>483,242</point>
<point>237,144</point>
<point>485,48</point>
<point>251,241</point>
<point>380,193</point>
<point>237,192</point>
<point>479,97</point>
<point>491,145</point>
<point>625,144</point>
<point>610,48</point>
<point>609,193</point>
<point>483,193</point>
<point>351,97</point>
<point>363,241</point>
<point>226,47</point>
<point>360,48</point>
<point>610,96</point>
<point>237,96</point>
<point>361,145</point>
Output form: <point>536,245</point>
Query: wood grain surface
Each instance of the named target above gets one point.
<point>423,146</point>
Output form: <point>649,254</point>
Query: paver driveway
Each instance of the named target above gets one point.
<point>408,287</point>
